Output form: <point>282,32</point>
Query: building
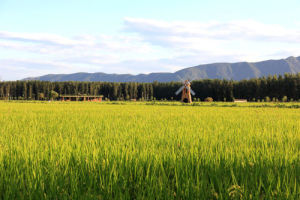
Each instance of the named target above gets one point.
<point>81,98</point>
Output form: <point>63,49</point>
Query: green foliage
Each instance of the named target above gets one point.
<point>41,96</point>
<point>53,95</point>
<point>220,90</point>
<point>284,99</point>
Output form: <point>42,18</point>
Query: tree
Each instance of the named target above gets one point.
<point>41,96</point>
<point>220,90</point>
<point>53,94</point>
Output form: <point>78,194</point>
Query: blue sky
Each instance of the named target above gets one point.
<point>118,36</point>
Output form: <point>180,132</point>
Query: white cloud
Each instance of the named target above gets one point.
<point>145,46</point>
<point>43,38</point>
<point>235,30</point>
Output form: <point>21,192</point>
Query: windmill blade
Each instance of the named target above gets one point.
<point>179,90</point>
<point>192,92</point>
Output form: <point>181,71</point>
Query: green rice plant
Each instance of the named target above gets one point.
<point>136,150</point>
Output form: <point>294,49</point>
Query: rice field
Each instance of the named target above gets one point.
<point>89,150</point>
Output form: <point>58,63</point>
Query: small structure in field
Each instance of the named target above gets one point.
<point>81,98</point>
<point>240,100</point>
<point>186,92</point>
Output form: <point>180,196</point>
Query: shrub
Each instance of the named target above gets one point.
<point>209,99</point>
<point>53,95</point>
<point>284,99</point>
<point>41,96</point>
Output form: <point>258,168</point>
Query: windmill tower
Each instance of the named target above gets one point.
<point>186,92</point>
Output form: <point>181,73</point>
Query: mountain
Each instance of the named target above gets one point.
<point>235,71</point>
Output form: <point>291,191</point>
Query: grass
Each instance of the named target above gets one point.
<point>120,150</point>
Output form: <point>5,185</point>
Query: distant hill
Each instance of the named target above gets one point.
<point>235,71</point>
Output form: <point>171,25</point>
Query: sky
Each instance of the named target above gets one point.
<point>141,36</point>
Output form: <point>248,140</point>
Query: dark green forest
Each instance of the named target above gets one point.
<point>271,88</point>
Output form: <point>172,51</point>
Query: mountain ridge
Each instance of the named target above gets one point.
<point>221,70</point>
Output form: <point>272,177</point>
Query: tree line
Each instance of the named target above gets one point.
<point>271,88</point>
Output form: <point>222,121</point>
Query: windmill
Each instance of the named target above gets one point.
<point>186,92</point>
